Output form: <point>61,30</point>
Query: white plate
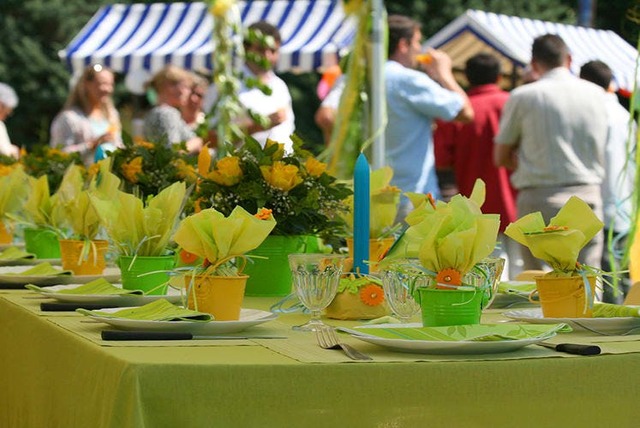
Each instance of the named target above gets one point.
<point>620,325</point>
<point>172,296</point>
<point>248,318</point>
<point>111,274</point>
<point>440,347</point>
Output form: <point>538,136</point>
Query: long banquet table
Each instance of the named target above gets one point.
<point>57,372</point>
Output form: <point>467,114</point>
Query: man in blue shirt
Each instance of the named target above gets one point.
<point>414,100</point>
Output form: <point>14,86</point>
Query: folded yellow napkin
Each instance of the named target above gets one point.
<point>42,269</point>
<point>98,286</point>
<point>15,253</point>
<point>559,243</point>
<point>159,310</point>
<point>478,332</point>
<point>609,310</point>
<point>516,287</point>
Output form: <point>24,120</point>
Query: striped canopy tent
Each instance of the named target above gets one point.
<point>146,37</point>
<point>510,38</point>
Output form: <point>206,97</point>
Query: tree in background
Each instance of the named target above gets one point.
<point>33,31</point>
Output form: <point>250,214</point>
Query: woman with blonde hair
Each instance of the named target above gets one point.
<point>89,119</point>
<point>164,122</point>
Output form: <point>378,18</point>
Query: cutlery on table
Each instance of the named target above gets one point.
<point>572,348</point>
<point>172,335</point>
<point>328,339</point>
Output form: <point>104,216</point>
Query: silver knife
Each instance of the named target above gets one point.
<point>572,348</point>
<point>172,335</point>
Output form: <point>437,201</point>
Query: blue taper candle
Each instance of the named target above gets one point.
<point>361,212</point>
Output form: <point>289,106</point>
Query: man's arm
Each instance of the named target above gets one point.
<point>505,155</point>
<point>439,69</point>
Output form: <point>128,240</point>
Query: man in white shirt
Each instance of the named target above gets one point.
<point>552,134</point>
<point>275,106</point>
<point>8,101</point>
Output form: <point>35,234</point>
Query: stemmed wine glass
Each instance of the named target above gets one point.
<point>315,278</point>
<point>486,276</point>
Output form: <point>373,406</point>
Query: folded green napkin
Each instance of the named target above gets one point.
<point>42,269</point>
<point>478,332</point>
<point>15,253</point>
<point>609,310</point>
<point>159,310</point>
<point>97,286</point>
<point>516,287</point>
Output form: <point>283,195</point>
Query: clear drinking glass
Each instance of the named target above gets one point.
<point>486,276</point>
<point>399,283</point>
<point>315,278</point>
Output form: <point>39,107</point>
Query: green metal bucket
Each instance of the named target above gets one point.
<point>272,276</point>
<point>450,307</point>
<point>42,242</point>
<point>136,276</point>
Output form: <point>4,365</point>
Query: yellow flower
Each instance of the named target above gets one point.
<point>131,169</point>
<point>56,152</point>
<point>219,8</point>
<point>278,154</point>
<point>226,171</point>
<point>281,176</point>
<point>185,171</point>
<point>139,141</point>
<point>315,167</point>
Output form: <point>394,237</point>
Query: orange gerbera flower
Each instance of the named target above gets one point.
<point>372,295</point>
<point>450,277</point>
<point>263,214</point>
<point>187,257</point>
<point>132,169</point>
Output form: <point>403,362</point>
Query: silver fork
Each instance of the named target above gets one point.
<point>328,339</point>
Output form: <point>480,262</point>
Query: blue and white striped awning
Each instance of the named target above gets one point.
<point>511,38</point>
<point>148,36</point>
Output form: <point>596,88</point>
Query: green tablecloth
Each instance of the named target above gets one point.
<point>57,373</point>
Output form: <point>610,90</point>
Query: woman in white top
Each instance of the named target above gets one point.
<point>89,119</point>
<point>8,101</point>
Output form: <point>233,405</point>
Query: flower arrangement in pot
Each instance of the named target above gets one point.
<point>49,162</point>
<point>385,200</point>
<point>440,251</point>
<point>80,250</point>
<point>568,290</point>
<point>14,188</point>
<point>305,201</point>
<point>217,287</point>
<point>140,232</point>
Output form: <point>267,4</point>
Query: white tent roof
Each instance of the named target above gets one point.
<point>511,37</point>
<point>148,36</point>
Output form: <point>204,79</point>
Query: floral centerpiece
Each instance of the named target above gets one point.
<point>222,242</point>
<point>146,168</point>
<point>445,242</point>
<point>559,244</point>
<point>305,201</point>
<point>50,162</point>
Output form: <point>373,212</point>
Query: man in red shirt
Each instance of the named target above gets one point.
<point>468,148</point>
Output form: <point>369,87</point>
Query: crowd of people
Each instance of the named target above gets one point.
<point>555,136</point>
